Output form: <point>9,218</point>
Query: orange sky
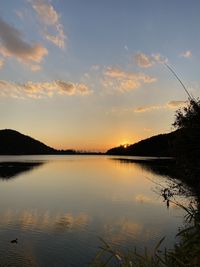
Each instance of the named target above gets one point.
<point>90,75</point>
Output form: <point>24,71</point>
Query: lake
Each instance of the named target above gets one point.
<point>59,206</point>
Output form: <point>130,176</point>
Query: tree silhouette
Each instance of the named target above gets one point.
<point>187,143</point>
<point>189,116</point>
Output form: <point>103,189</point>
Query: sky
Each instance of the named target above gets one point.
<point>91,75</point>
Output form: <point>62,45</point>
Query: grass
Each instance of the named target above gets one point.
<point>184,254</point>
<point>187,252</point>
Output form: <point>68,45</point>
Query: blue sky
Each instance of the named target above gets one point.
<point>91,74</point>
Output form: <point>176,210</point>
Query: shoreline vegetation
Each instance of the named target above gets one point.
<point>13,142</point>
<point>184,146</point>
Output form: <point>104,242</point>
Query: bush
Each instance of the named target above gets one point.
<point>189,116</point>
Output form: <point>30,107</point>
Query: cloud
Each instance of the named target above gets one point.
<point>53,28</point>
<point>186,54</point>
<point>143,60</point>
<point>175,104</point>
<point>125,81</point>
<point>170,105</point>
<point>72,88</point>
<point>95,67</point>
<point>40,90</point>
<point>159,58</point>
<point>147,61</point>
<point>13,45</point>
<point>142,109</point>
<point>147,108</point>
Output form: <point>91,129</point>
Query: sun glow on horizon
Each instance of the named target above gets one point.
<point>76,84</point>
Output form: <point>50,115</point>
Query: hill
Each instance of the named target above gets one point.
<point>15,143</point>
<point>158,146</point>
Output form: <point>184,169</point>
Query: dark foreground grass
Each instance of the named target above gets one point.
<point>184,254</point>
<point>187,252</point>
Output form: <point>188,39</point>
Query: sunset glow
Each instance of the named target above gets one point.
<point>88,75</point>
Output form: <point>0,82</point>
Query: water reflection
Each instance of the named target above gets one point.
<point>159,166</point>
<point>172,187</point>
<point>119,231</point>
<point>59,212</point>
<point>44,238</point>
<point>143,199</point>
<point>36,220</point>
<point>19,257</point>
<point>9,170</point>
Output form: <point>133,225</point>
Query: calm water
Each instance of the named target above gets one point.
<point>59,206</point>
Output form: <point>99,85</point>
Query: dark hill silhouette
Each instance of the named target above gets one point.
<point>158,146</point>
<point>15,143</point>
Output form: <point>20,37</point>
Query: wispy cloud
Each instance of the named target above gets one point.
<point>147,108</point>
<point>124,81</point>
<point>42,90</point>
<point>123,111</point>
<point>170,105</point>
<point>143,60</point>
<point>176,104</point>
<point>53,28</point>
<point>95,67</point>
<point>147,61</point>
<point>12,44</point>
<point>186,54</point>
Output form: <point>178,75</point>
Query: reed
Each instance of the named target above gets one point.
<point>180,81</point>
<point>187,252</point>
<point>184,254</point>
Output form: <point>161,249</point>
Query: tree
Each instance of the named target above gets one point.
<point>189,116</point>
<point>187,141</point>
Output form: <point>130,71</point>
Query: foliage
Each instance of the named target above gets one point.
<point>186,148</point>
<point>158,146</point>
<point>185,253</point>
<point>186,145</point>
<point>109,257</point>
<point>189,116</point>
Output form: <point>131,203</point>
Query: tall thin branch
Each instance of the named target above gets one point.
<point>174,73</point>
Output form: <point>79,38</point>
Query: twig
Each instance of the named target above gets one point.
<point>174,73</point>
